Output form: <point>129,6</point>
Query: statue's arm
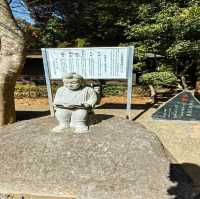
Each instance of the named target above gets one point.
<point>92,98</point>
<point>58,97</point>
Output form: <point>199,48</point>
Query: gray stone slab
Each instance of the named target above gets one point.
<point>117,159</point>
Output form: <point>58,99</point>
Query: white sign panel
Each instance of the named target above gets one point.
<point>91,63</point>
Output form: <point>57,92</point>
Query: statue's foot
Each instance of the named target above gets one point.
<point>59,128</point>
<point>81,130</point>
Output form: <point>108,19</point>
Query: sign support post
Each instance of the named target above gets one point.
<point>48,82</point>
<point>130,83</point>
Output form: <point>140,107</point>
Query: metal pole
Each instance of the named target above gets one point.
<point>130,82</point>
<point>48,82</point>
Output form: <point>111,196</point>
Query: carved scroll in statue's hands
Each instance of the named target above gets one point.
<point>67,106</point>
<point>86,105</point>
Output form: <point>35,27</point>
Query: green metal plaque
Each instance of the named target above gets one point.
<point>184,106</point>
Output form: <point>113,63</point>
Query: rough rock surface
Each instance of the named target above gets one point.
<point>117,159</point>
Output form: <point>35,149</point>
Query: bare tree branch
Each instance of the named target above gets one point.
<point>10,1</point>
<point>23,4</point>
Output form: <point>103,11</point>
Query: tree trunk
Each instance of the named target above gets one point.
<point>12,56</point>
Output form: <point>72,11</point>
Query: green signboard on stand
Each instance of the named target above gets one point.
<point>184,106</point>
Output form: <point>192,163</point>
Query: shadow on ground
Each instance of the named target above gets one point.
<point>27,115</point>
<point>123,106</point>
<point>186,177</point>
<point>98,118</point>
<point>139,107</point>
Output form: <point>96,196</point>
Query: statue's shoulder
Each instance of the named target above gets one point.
<point>87,88</point>
<point>61,89</point>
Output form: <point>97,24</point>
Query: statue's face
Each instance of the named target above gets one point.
<point>72,84</point>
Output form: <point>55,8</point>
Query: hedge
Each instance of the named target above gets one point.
<point>32,91</point>
<point>159,79</point>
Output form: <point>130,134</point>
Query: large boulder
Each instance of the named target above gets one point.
<point>117,159</point>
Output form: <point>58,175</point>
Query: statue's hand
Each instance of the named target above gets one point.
<point>55,104</point>
<point>86,105</point>
<point>66,105</point>
<point>69,106</point>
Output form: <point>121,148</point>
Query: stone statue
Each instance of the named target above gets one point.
<point>72,102</point>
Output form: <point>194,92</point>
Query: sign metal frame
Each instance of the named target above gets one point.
<point>129,78</point>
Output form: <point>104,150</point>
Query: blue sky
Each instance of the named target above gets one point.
<point>20,11</point>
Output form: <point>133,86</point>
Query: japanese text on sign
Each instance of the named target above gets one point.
<point>91,63</point>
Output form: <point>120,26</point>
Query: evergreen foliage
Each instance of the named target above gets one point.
<point>165,28</point>
<point>158,79</point>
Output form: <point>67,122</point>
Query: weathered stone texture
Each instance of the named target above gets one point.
<point>117,159</point>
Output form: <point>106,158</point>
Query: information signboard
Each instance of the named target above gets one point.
<point>91,63</point>
<point>184,106</point>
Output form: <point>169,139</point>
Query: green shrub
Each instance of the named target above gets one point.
<point>159,79</point>
<point>32,91</point>
<point>81,42</point>
<point>121,90</point>
<point>114,90</point>
<point>24,90</point>
<point>64,44</point>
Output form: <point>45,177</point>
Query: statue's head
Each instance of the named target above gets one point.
<point>73,81</point>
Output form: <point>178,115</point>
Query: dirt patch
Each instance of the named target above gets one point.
<point>43,102</point>
<point>33,102</point>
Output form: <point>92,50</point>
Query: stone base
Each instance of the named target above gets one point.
<point>117,159</point>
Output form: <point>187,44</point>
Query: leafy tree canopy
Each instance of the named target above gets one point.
<point>95,20</point>
<point>167,28</point>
